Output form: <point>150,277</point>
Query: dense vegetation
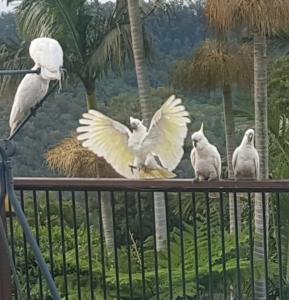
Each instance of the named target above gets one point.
<point>173,37</point>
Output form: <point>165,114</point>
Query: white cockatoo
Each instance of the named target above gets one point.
<point>30,91</point>
<point>142,152</point>
<point>245,158</point>
<point>48,56</point>
<point>205,158</point>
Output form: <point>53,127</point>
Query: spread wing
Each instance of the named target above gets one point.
<point>167,132</point>
<point>47,54</point>
<point>108,139</point>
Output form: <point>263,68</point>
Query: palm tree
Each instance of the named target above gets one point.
<point>262,18</point>
<point>219,65</point>
<point>138,52</point>
<point>94,38</point>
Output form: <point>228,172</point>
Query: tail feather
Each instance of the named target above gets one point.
<point>156,173</point>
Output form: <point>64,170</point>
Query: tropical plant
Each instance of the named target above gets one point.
<point>143,87</point>
<point>261,18</point>
<point>216,65</point>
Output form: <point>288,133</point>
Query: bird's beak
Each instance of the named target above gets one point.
<point>195,143</point>
<point>133,126</point>
<point>250,137</point>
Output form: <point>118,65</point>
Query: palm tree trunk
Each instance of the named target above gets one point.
<point>106,208</point>
<point>261,126</point>
<point>138,52</point>
<point>230,146</point>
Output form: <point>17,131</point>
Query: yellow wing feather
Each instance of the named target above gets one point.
<point>167,132</point>
<point>108,139</point>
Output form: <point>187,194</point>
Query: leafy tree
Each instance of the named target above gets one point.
<point>261,18</point>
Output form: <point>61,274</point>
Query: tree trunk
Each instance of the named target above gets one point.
<point>261,126</point>
<point>106,208</point>
<point>138,52</point>
<point>160,221</point>
<point>91,99</point>
<point>230,147</point>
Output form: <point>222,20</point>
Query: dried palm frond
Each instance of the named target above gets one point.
<point>262,16</point>
<point>71,159</point>
<point>215,65</point>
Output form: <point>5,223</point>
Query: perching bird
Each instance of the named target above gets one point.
<point>48,56</point>
<point>30,91</point>
<point>205,158</point>
<point>142,152</point>
<point>245,158</point>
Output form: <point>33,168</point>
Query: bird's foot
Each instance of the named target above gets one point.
<point>212,179</point>
<point>196,179</point>
<point>132,168</point>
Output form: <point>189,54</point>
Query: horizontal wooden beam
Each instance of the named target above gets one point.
<point>166,185</point>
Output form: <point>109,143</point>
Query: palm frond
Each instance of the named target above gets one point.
<point>263,16</point>
<point>215,64</point>
<point>51,18</point>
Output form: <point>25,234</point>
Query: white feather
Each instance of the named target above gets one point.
<point>47,55</point>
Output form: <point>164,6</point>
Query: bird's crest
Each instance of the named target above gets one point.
<point>202,128</point>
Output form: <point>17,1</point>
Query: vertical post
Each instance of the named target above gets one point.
<point>5,272</point>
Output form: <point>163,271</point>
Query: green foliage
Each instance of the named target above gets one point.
<point>181,241</point>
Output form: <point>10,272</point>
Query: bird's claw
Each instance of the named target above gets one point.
<point>132,168</point>
<point>196,179</point>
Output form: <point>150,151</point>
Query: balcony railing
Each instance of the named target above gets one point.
<point>154,239</point>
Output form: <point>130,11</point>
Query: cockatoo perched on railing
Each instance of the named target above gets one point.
<point>246,158</point>
<point>205,158</point>
<point>47,55</point>
<point>142,152</point>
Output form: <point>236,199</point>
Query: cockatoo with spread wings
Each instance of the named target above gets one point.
<point>48,57</point>
<point>142,152</point>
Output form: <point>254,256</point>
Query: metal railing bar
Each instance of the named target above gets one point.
<point>11,229</point>
<point>128,246</point>
<point>210,282</point>
<point>279,245</point>
<point>182,245</point>
<point>265,242</point>
<point>169,248</point>
<point>102,245</point>
<point>115,246</point>
<point>237,247</point>
<point>89,245</point>
<point>164,185</point>
<point>29,236</point>
<point>196,244</point>
<point>251,245</point>
<point>155,249</point>
<point>139,203</point>
<point>76,245</point>
<point>37,239</point>
<point>60,200</point>
<point>11,260</point>
<point>19,72</point>
<point>25,251</point>
<point>51,259</point>
<point>222,228</point>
